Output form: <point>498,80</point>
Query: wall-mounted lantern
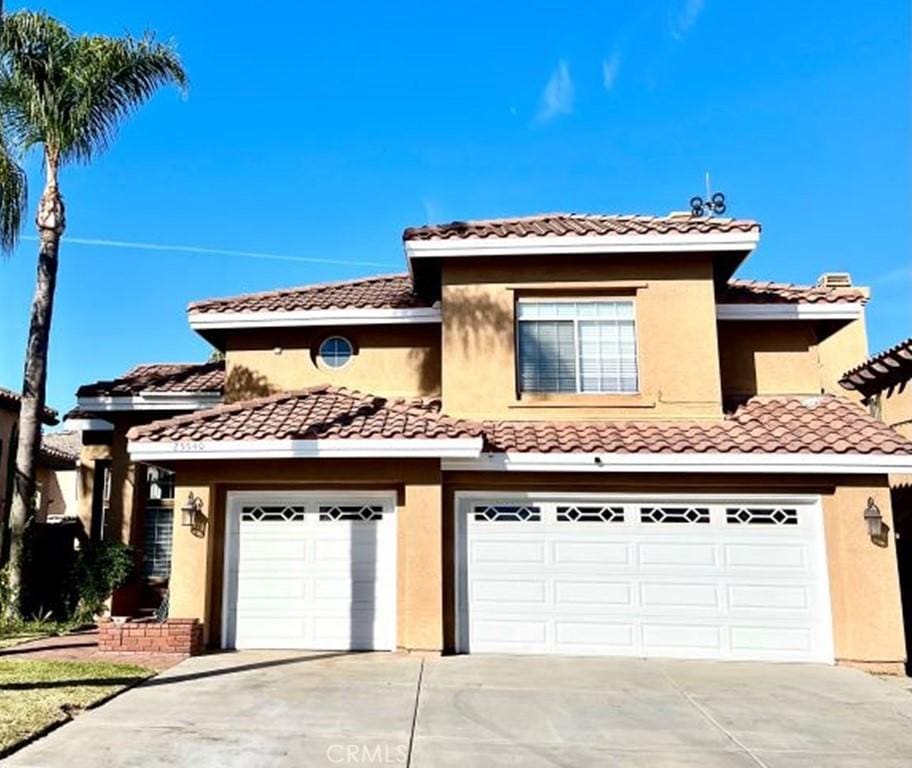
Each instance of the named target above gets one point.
<point>873,519</point>
<point>192,511</point>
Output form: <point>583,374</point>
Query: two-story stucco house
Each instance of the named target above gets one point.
<point>561,434</point>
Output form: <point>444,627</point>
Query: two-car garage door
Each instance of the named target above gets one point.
<point>694,577</point>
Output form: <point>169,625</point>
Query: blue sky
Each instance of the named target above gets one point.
<point>319,131</point>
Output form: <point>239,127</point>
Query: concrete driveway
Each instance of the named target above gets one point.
<point>259,709</point>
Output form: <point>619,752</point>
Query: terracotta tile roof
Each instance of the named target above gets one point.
<point>60,447</point>
<point>882,371</point>
<point>768,292</point>
<point>580,224</point>
<point>821,425</point>
<point>322,412</point>
<point>161,377</point>
<point>379,292</point>
<point>11,401</point>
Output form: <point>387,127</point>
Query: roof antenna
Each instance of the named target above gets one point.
<point>714,203</point>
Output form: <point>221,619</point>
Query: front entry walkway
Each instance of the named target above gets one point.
<point>265,709</point>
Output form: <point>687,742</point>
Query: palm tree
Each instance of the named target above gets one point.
<point>64,95</point>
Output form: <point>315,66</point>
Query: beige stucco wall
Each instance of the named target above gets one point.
<point>769,358</point>
<point>896,408</point>
<point>390,360</point>
<point>864,582</point>
<point>841,350</point>
<point>58,492</point>
<point>864,590</point>
<point>675,327</point>
<point>197,556</point>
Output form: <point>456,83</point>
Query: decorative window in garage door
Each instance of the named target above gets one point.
<point>686,515</point>
<point>761,516</point>
<point>507,513</point>
<point>272,514</point>
<point>351,513</point>
<point>590,514</point>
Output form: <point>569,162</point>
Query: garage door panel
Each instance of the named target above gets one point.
<point>513,590</point>
<point>779,597</point>
<point>595,636</point>
<point>794,640</point>
<point>677,554</point>
<point>573,594</point>
<point>603,553</point>
<point>688,580</point>
<point>507,551</point>
<point>767,555</point>
<point>677,596</point>
<point>301,575</point>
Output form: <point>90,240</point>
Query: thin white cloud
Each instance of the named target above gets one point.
<point>102,243</point>
<point>685,18</point>
<point>432,214</point>
<point>610,69</point>
<point>557,98</point>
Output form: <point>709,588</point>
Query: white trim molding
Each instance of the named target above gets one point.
<point>558,244</point>
<point>800,311</point>
<point>747,463</point>
<point>193,450</point>
<point>151,401</point>
<point>211,321</point>
<point>89,425</point>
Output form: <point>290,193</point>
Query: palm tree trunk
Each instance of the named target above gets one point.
<point>51,223</point>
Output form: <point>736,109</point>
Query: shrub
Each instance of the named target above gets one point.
<point>101,568</point>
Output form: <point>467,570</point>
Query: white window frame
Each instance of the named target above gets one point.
<point>323,359</point>
<point>576,341</point>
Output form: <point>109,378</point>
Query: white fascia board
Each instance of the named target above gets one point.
<point>748,463</point>
<point>89,425</point>
<point>202,321</point>
<point>805,311</point>
<point>558,244</point>
<point>194,450</point>
<point>151,401</point>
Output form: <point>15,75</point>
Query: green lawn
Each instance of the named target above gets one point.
<point>37,694</point>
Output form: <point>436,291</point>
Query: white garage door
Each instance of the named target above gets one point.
<point>695,578</point>
<point>310,570</point>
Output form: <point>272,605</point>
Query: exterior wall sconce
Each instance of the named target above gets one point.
<point>192,511</point>
<point>874,520</point>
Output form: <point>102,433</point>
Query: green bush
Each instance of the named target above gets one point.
<point>101,568</point>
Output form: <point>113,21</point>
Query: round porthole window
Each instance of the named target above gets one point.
<point>335,352</point>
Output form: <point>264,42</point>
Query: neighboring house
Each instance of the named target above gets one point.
<point>558,434</point>
<point>58,486</point>
<point>123,500</point>
<point>884,382</point>
<point>50,462</point>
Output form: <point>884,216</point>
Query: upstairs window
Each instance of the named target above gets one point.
<point>577,346</point>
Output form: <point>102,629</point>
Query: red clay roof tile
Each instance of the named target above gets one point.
<point>379,292</point>
<point>12,401</point>
<point>322,412</point>
<point>161,377</point>
<point>559,224</point>
<point>768,292</point>
<point>825,424</point>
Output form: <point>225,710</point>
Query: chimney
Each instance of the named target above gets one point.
<point>835,280</point>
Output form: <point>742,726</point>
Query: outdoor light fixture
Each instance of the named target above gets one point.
<point>873,519</point>
<point>192,511</point>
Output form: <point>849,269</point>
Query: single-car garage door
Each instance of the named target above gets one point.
<point>310,570</point>
<point>741,578</point>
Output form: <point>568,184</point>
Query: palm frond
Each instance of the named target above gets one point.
<point>13,198</point>
<point>70,93</point>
